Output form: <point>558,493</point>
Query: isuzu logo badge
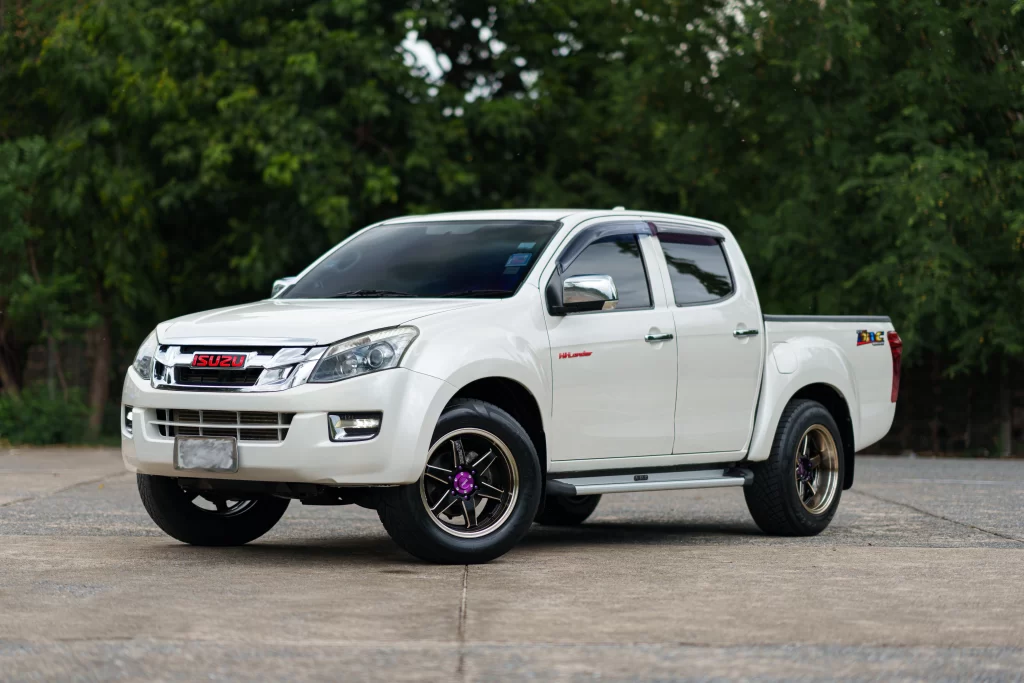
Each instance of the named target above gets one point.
<point>234,361</point>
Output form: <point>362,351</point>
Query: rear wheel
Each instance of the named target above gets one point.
<point>796,491</point>
<point>208,517</point>
<point>567,510</point>
<point>479,491</point>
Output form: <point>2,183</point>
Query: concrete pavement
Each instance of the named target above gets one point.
<point>919,577</point>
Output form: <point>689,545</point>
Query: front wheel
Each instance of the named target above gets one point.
<point>795,492</point>
<point>479,491</point>
<point>208,517</point>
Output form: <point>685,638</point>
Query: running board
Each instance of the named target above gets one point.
<point>575,485</point>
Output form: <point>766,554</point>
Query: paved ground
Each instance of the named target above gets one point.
<point>919,577</point>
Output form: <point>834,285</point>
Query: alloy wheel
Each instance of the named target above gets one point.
<point>817,469</point>
<point>470,484</point>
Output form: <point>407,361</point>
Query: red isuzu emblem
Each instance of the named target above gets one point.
<point>219,360</point>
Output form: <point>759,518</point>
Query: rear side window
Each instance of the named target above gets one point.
<point>697,267</point>
<point>618,256</point>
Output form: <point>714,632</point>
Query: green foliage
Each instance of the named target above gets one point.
<point>40,420</point>
<point>162,156</point>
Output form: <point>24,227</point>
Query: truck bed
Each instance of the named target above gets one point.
<point>859,343</point>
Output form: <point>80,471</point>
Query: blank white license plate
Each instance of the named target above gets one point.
<point>211,454</point>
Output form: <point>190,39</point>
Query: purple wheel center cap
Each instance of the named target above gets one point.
<point>463,483</point>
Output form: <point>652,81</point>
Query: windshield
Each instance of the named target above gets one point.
<point>442,259</point>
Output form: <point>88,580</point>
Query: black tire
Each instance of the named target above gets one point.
<point>173,510</point>
<point>774,496</point>
<point>403,511</point>
<point>567,510</point>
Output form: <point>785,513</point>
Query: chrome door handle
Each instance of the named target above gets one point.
<point>745,333</point>
<point>655,338</point>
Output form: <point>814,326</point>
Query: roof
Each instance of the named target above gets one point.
<point>509,214</point>
<point>550,215</point>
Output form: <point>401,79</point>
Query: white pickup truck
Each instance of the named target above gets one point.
<point>469,374</point>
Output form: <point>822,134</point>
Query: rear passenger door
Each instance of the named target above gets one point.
<point>718,329</point>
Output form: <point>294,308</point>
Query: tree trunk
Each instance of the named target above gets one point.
<point>967,427</point>
<point>99,384</point>
<point>51,367</point>
<point>8,378</point>
<point>936,421</point>
<point>1005,413</point>
<point>10,384</point>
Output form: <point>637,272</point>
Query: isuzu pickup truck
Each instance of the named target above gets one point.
<point>469,374</point>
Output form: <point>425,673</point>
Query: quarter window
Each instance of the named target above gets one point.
<point>697,268</point>
<point>617,256</point>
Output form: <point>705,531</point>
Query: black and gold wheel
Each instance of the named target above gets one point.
<point>479,491</point>
<point>796,491</point>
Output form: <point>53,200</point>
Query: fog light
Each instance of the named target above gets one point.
<point>353,426</point>
<point>128,420</point>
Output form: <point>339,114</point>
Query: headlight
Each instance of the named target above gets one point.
<point>365,353</point>
<point>144,357</point>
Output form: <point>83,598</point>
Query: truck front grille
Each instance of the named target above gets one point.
<point>198,377</point>
<point>243,425</point>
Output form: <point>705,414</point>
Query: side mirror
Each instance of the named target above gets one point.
<point>281,285</point>
<point>589,293</point>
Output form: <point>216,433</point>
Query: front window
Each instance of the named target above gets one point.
<point>436,259</point>
<point>617,256</point>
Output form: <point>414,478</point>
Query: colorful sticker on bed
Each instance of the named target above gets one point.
<point>868,337</point>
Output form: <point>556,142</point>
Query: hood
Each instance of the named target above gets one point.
<point>299,322</point>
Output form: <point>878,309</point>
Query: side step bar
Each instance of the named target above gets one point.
<point>577,485</point>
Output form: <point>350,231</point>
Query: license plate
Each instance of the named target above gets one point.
<point>211,454</point>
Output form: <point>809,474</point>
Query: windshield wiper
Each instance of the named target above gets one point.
<point>370,293</point>
<point>480,293</point>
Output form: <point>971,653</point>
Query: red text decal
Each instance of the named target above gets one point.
<point>577,354</point>
<point>218,360</point>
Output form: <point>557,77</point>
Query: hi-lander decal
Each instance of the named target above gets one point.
<point>574,354</point>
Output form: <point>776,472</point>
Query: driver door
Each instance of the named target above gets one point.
<point>613,370</point>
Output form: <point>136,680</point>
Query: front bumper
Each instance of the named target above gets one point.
<point>410,402</point>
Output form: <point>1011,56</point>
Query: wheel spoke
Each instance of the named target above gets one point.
<point>434,476</point>
<point>488,496</point>
<point>815,462</point>
<point>810,487</point>
<point>806,443</point>
<point>489,454</point>
<point>458,452</point>
<point>440,500</point>
<point>491,487</point>
<point>438,469</point>
<point>469,508</point>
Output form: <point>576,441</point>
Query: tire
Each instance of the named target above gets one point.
<point>567,510</point>
<point>776,498</point>
<point>179,514</point>
<point>490,524</point>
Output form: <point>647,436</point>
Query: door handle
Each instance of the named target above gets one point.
<point>655,338</point>
<point>745,333</point>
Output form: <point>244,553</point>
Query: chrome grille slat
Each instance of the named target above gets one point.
<point>243,425</point>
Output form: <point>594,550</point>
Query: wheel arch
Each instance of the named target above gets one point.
<point>518,401</point>
<point>833,400</point>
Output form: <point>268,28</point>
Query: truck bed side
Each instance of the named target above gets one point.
<point>827,356</point>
